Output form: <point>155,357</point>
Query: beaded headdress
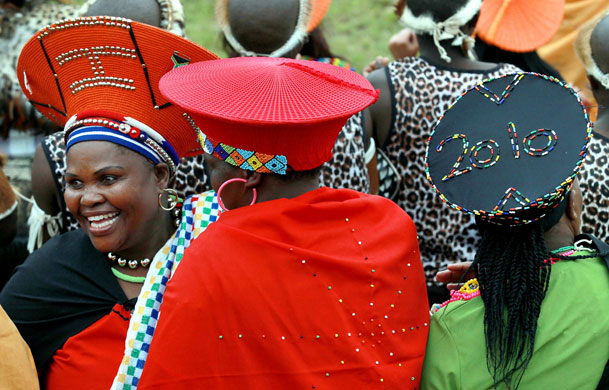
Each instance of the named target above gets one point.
<point>519,25</point>
<point>584,51</point>
<point>446,29</point>
<point>509,149</point>
<point>310,14</point>
<point>98,77</point>
<point>288,115</point>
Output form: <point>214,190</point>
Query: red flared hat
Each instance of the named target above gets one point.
<point>103,72</point>
<point>268,114</point>
<point>519,25</point>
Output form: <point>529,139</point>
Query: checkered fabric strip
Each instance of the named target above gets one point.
<point>197,213</point>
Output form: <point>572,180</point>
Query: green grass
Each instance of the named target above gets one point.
<point>356,29</point>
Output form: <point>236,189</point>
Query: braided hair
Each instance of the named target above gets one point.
<point>513,274</point>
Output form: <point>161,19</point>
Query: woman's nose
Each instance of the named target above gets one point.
<point>91,196</point>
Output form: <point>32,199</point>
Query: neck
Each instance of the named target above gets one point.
<point>159,233</point>
<point>272,188</point>
<point>560,235</point>
<point>601,125</point>
<point>459,59</point>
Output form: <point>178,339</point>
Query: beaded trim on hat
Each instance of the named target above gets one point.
<point>241,158</point>
<point>298,37</point>
<point>548,201</point>
<point>127,132</point>
<point>446,29</point>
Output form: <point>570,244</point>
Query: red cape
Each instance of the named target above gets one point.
<point>323,291</point>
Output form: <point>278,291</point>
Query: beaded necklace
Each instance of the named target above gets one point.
<point>128,278</point>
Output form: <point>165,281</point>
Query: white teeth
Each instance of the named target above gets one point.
<point>99,225</point>
<point>101,217</point>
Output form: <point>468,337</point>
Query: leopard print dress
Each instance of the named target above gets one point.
<point>422,93</point>
<point>595,188</point>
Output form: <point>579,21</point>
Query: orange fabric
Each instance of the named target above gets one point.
<point>322,291</point>
<point>560,51</point>
<point>320,7</point>
<point>119,73</point>
<point>17,369</point>
<point>90,359</point>
<point>519,25</point>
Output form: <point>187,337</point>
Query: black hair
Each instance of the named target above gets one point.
<point>317,45</point>
<point>527,61</point>
<point>439,10</point>
<point>513,271</point>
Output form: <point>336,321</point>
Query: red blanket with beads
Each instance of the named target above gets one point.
<point>322,291</point>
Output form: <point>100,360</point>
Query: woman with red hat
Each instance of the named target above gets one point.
<point>290,29</point>
<point>295,286</point>
<point>98,78</point>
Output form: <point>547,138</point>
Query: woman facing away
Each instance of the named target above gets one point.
<point>415,91</point>
<point>98,77</point>
<point>534,314</point>
<point>290,28</point>
<point>295,286</point>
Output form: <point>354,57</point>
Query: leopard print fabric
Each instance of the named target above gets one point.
<point>347,168</point>
<point>422,93</point>
<point>190,177</point>
<point>595,188</point>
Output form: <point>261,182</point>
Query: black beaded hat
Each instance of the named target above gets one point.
<point>508,149</point>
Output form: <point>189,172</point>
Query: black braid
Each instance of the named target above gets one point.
<point>513,274</point>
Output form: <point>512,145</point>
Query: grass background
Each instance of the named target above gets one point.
<point>357,30</point>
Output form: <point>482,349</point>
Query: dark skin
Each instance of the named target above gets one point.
<point>558,236</point>
<point>600,54</point>
<point>268,186</point>
<point>113,193</point>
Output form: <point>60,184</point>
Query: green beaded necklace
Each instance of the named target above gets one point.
<point>128,278</point>
<point>564,249</point>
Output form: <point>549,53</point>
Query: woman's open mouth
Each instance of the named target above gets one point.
<point>102,222</point>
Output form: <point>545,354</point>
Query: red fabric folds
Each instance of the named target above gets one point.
<point>323,291</point>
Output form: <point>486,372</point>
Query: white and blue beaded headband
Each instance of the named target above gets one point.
<point>97,125</point>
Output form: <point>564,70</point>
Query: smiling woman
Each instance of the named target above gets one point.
<point>73,298</point>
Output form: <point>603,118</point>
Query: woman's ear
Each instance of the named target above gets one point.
<point>161,175</point>
<point>253,179</point>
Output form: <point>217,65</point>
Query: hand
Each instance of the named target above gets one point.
<point>453,274</point>
<point>404,44</point>
<point>378,63</point>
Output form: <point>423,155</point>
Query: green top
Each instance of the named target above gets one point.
<point>571,344</point>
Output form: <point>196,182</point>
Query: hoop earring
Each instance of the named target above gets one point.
<point>172,199</point>
<point>221,204</point>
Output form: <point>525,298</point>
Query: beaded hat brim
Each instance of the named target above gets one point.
<point>509,149</point>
